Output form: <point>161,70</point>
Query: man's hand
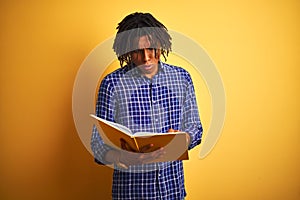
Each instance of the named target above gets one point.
<point>130,158</point>
<point>188,137</point>
<point>125,158</point>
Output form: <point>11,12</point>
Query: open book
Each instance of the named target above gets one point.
<point>114,134</point>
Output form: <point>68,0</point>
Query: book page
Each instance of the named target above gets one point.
<point>120,127</point>
<point>148,134</point>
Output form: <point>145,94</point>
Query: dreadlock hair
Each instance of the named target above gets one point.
<point>136,25</point>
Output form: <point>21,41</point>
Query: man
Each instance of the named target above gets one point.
<point>149,95</point>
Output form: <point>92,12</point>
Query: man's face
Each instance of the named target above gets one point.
<point>144,58</point>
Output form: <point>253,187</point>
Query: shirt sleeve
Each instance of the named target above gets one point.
<point>105,108</point>
<point>191,120</point>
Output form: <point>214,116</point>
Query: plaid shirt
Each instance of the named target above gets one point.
<point>151,105</point>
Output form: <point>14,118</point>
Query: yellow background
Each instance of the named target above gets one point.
<point>255,45</point>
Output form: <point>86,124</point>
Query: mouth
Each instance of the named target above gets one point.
<point>146,67</point>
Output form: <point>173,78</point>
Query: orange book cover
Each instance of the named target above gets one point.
<point>113,134</point>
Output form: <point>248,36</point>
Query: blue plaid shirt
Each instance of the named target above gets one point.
<point>151,105</point>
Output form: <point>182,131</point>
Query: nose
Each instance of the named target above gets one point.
<point>146,54</point>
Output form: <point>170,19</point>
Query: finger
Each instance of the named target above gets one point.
<point>123,144</point>
<point>149,157</point>
<point>172,130</point>
<point>146,148</point>
<point>188,138</point>
<point>131,158</point>
<point>126,146</point>
<point>159,152</point>
<point>122,165</point>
